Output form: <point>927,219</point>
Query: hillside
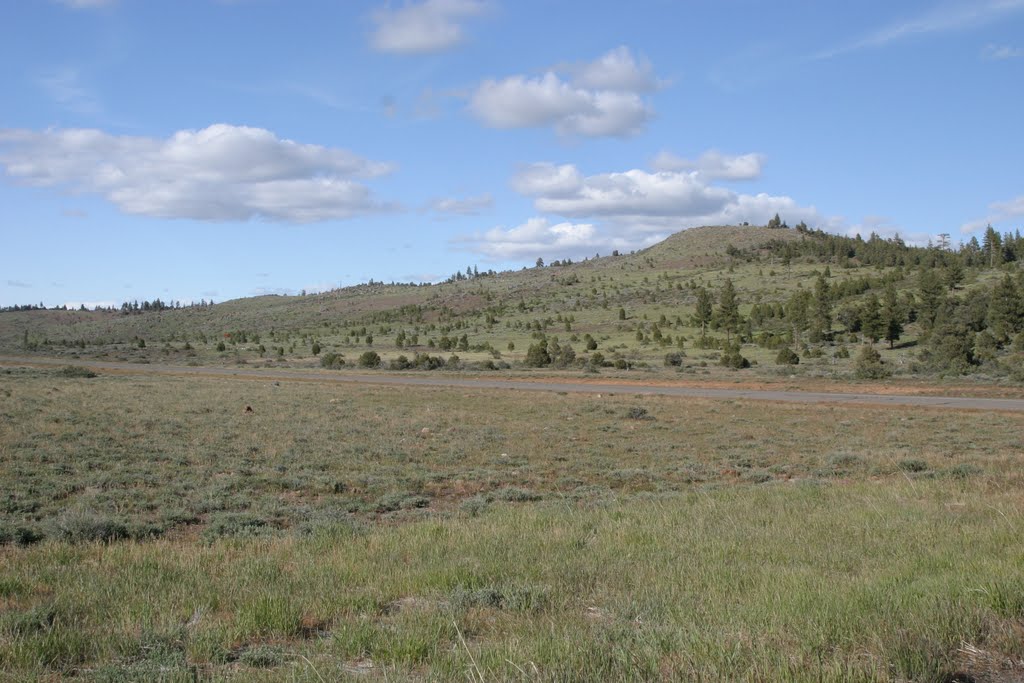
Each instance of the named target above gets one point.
<point>818,295</point>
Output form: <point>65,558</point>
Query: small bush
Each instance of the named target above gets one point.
<point>869,364</point>
<point>757,476</point>
<point>516,495</point>
<point>732,358</point>
<point>82,526</point>
<point>369,359</point>
<point>912,465</point>
<point>963,470</point>
<point>638,413</point>
<point>76,371</point>
<point>391,502</point>
<point>234,524</point>
<point>18,535</point>
<point>474,506</point>
<point>262,657</point>
<point>332,360</point>
<point>787,356</point>
<point>674,359</point>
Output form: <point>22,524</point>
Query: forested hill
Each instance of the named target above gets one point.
<point>793,300</point>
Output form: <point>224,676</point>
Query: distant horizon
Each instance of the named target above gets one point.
<point>283,151</point>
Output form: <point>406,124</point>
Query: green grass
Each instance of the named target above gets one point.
<point>793,583</point>
<point>154,530</point>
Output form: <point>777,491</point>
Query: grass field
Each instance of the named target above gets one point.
<point>155,529</point>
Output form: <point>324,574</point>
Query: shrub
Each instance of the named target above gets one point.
<point>869,364</point>
<point>82,526</point>
<point>76,371</point>
<point>332,360</point>
<point>787,356</point>
<point>537,356</point>
<point>18,535</point>
<point>315,349</point>
<point>963,470</point>
<point>262,657</point>
<point>912,465</point>
<point>638,413</point>
<point>513,494</point>
<point>732,358</point>
<point>674,359</point>
<point>400,363</point>
<point>234,524</point>
<point>369,359</point>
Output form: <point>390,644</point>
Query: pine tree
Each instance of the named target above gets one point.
<point>932,293</point>
<point>992,247</point>
<point>728,310</point>
<point>871,319</point>
<point>1006,310</point>
<point>892,316</point>
<point>822,318</point>
<point>704,309</point>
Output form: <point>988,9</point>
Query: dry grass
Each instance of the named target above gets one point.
<point>362,533</point>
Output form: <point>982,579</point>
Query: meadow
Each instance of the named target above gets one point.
<point>172,528</point>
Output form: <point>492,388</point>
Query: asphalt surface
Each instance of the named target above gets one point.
<point>401,380</point>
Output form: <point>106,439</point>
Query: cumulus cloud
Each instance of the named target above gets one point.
<point>219,173</point>
<point>423,27</point>
<point>999,212</point>
<point>468,206</point>
<point>617,69</point>
<point>712,165</point>
<point>637,202</point>
<point>539,237</point>
<point>599,99</point>
<point>627,210</point>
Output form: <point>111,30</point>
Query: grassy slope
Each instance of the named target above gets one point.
<point>327,536</point>
<point>646,284</point>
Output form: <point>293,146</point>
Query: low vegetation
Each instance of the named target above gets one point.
<point>172,528</point>
<point>709,303</point>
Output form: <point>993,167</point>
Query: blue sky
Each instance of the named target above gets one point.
<point>219,149</point>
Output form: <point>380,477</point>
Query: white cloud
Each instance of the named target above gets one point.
<point>220,173</point>
<point>637,202</point>
<point>18,283</point>
<point>633,193</point>
<point>627,210</point>
<point>468,206</point>
<point>1001,52</point>
<point>615,70</point>
<point>539,237</point>
<point>947,17</point>
<point>601,99</point>
<point>423,27</point>
<point>713,165</point>
<point>999,212</point>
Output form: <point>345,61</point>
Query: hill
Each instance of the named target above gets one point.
<point>814,295</point>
